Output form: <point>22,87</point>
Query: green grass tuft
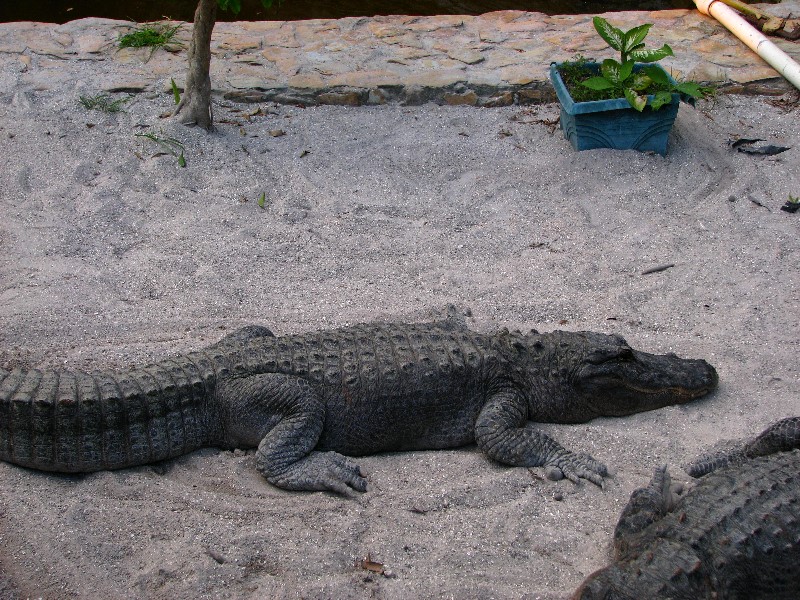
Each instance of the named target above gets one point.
<point>167,144</point>
<point>176,94</point>
<point>103,103</point>
<point>150,35</point>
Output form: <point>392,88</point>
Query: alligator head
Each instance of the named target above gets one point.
<point>596,375</point>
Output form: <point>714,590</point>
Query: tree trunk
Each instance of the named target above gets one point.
<point>195,106</point>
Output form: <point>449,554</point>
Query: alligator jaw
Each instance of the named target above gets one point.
<point>639,381</point>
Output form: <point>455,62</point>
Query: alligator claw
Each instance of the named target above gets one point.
<point>322,471</point>
<point>576,466</point>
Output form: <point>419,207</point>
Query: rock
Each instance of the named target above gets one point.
<point>517,75</point>
<point>377,97</point>
<point>492,37</point>
<point>250,83</point>
<point>469,57</point>
<point>93,44</point>
<point>501,99</point>
<point>306,81</point>
<point>351,98</point>
<point>468,98</point>
<point>536,95</point>
<point>124,85</point>
<point>25,63</point>
<point>366,79</point>
<point>240,44</point>
<point>437,79</point>
<point>381,31</point>
<point>751,73</point>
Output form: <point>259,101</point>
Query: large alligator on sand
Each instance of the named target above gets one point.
<point>735,536</point>
<point>306,400</point>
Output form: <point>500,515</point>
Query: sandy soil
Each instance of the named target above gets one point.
<point>111,254</point>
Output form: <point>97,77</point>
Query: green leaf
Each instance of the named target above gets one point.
<point>690,88</point>
<point>236,5</point>
<point>660,99</point>
<point>615,72</point>
<point>636,101</point>
<point>262,199</point>
<point>597,83</point>
<point>634,37</point>
<point>648,55</point>
<point>175,92</point>
<point>626,69</point>
<point>657,74</point>
<point>612,36</point>
<point>181,160</point>
<point>610,70</point>
<point>233,5</point>
<point>640,82</point>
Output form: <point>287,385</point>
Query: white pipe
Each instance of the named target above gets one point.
<point>756,41</point>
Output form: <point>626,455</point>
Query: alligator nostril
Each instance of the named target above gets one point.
<point>712,373</point>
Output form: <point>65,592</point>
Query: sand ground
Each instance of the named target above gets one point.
<point>111,254</point>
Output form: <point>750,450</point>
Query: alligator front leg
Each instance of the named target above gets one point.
<point>503,433</point>
<point>284,417</point>
<point>782,436</point>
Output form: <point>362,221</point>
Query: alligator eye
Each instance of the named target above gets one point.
<point>625,354</point>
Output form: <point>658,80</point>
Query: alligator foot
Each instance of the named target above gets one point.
<point>503,434</point>
<point>575,466</point>
<point>321,471</point>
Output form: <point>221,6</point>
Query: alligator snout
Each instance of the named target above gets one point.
<point>643,381</point>
<point>699,376</point>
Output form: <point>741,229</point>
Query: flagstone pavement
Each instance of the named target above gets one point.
<point>495,59</point>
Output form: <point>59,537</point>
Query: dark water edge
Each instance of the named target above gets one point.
<point>61,11</point>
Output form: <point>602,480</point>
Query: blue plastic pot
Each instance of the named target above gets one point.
<point>613,123</point>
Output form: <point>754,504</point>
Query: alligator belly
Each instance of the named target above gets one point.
<point>403,422</point>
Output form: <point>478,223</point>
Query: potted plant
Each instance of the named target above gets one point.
<point>630,103</point>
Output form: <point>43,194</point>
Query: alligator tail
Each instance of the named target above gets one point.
<point>74,422</point>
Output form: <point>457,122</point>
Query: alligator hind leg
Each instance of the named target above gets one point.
<point>284,417</point>
<point>503,433</point>
<point>646,506</point>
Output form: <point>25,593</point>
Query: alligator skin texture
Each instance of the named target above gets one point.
<point>735,536</point>
<point>307,402</point>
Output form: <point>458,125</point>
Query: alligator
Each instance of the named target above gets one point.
<point>309,401</point>
<point>735,535</point>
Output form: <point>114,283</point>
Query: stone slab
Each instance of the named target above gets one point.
<point>497,58</point>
